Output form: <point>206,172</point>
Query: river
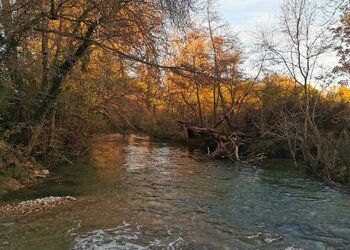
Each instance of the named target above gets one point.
<point>134,193</point>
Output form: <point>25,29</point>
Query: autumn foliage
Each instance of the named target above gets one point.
<point>70,69</point>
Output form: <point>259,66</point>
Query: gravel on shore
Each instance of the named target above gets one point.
<point>33,206</point>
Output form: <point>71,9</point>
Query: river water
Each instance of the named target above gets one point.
<point>137,194</point>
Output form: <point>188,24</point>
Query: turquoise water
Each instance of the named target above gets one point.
<point>137,194</point>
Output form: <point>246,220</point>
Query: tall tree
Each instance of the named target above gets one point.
<point>125,27</point>
<point>343,33</point>
<point>297,47</point>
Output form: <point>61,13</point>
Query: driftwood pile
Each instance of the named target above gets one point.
<point>218,143</point>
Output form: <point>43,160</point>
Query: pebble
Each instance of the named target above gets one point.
<point>31,206</point>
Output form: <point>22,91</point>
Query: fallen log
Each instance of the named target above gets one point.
<point>218,143</point>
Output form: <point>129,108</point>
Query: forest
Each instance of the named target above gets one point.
<point>173,69</point>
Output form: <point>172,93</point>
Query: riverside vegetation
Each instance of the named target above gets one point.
<point>71,69</point>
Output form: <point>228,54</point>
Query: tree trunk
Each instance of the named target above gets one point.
<point>197,93</point>
<point>11,58</point>
<point>61,73</point>
<point>217,81</point>
<point>45,56</point>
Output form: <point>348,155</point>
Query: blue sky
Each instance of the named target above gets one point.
<point>245,15</point>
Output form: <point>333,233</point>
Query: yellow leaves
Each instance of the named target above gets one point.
<point>195,51</point>
<point>54,24</point>
<point>343,94</point>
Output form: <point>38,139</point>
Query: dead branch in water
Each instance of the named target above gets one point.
<point>218,143</point>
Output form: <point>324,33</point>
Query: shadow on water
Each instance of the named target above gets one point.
<point>138,194</point>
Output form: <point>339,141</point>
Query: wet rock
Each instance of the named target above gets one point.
<point>70,198</point>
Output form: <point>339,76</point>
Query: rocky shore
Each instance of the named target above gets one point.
<point>33,206</point>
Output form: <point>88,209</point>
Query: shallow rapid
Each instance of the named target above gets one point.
<point>134,193</point>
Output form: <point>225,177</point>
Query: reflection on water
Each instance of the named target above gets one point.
<point>138,194</point>
<point>108,157</point>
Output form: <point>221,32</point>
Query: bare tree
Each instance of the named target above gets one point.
<point>342,32</point>
<point>298,47</point>
<point>221,45</point>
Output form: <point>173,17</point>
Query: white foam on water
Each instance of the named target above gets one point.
<point>72,231</point>
<point>126,238</point>
<point>266,237</point>
<point>293,248</point>
<point>269,238</point>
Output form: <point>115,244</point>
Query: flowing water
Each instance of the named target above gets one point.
<point>137,194</point>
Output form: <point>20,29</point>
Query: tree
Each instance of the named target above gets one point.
<point>297,48</point>
<point>224,54</point>
<point>83,25</point>
<point>56,36</point>
<point>343,34</point>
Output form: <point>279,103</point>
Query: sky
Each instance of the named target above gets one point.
<point>245,15</point>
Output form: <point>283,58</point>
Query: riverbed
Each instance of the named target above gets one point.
<point>135,193</point>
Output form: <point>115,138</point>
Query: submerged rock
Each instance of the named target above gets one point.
<point>32,206</point>
<point>45,172</point>
<point>41,173</point>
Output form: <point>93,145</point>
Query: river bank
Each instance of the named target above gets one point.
<point>17,170</point>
